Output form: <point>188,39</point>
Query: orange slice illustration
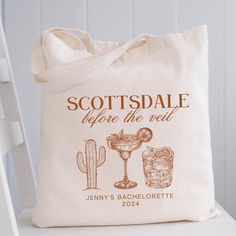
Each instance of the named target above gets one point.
<point>144,134</point>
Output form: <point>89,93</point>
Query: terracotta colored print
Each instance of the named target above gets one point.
<point>124,144</point>
<point>91,162</point>
<point>157,166</point>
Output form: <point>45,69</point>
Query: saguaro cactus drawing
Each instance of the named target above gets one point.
<point>91,162</point>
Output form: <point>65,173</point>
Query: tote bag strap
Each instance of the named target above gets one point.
<point>65,76</point>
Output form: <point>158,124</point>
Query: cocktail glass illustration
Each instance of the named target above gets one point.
<point>157,167</point>
<point>124,144</point>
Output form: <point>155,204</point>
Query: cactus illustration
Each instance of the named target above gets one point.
<point>91,162</point>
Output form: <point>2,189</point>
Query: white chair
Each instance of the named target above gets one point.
<point>13,139</point>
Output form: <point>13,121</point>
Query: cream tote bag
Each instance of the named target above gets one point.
<point>125,129</point>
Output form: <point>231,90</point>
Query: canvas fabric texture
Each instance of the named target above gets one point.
<point>125,135</point>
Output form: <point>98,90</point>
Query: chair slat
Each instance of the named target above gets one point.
<point>10,135</point>
<point>4,72</point>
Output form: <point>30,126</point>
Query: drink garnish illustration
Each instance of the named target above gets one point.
<point>125,144</point>
<point>157,166</point>
<point>91,162</point>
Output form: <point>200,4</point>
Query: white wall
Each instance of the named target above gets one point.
<point>120,20</point>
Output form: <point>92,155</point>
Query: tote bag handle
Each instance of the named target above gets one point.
<point>65,76</point>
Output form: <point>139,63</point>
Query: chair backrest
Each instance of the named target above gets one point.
<point>13,140</point>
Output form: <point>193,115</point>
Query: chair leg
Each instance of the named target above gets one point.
<point>7,215</point>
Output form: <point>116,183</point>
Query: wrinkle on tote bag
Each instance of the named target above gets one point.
<point>125,129</point>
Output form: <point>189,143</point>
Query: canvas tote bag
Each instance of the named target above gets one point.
<point>125,129</point>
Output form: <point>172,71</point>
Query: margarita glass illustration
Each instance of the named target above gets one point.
<point>124,144</point>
